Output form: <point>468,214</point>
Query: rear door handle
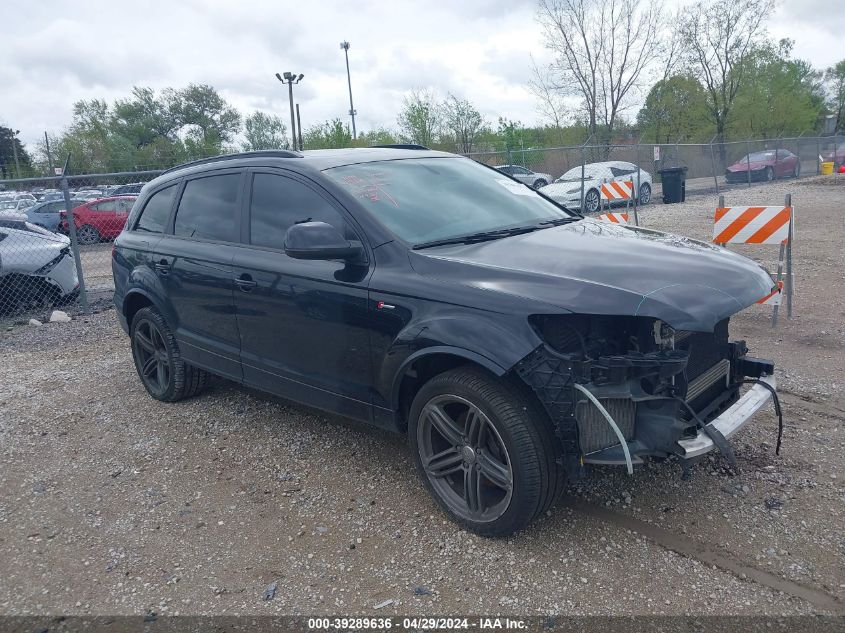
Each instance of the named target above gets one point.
<point>245,282</point>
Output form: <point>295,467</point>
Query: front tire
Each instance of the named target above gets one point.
<point>540,182</point>
<point>485,451</point>
<point>592,201</point>
<point>770,174</point>
<point>162,371</point>
<point>87,235</point>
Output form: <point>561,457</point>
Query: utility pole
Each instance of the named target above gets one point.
<point>290,79</point>
<point>345,46</point>
<point>15,151</point>
<point>299,127</point>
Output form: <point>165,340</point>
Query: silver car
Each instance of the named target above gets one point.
<point>530,178</point>
<point>567,189</point>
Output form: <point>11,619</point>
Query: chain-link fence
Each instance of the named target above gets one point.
<point>55,239</point>
<point>710,167</point>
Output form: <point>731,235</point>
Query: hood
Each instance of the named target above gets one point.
<point>744,166</point>
<point>594,267</point>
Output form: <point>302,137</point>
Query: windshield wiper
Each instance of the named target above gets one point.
<point>483,236</point>
<point>560,221</point>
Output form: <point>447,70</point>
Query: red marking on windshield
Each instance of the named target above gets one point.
<point>372,188</point>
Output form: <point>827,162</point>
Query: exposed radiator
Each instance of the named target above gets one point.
<point>594,432</point>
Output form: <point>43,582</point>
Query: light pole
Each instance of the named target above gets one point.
<point>15,151</point>
<point>345,46</point>
<point>290,79</point>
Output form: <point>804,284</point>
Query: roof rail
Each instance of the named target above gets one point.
<point>269,153</point>
<point>401,146</point>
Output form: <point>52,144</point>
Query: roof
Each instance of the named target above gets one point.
<point>314,159</point>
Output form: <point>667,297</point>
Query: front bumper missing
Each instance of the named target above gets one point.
<point>728,423</point>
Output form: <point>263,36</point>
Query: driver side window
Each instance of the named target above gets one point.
<point>278,202</point>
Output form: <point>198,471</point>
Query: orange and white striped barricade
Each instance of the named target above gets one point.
<point>615,218</point>
<point>761,225</point>
<point>614,191</point>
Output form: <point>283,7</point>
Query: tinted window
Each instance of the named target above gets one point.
<point>155,213</point>
<point>506,170</point>
<point>278,203</point>
<point>209,208</point>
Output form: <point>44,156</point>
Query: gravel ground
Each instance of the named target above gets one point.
<point>113,503</point>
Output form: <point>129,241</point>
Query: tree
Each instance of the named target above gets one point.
<point>9,144</point>
<point>602,50</point>
<point>420,118</point>
<point>719,36</point>
<point>328,135</point>
<point>378,136</point>
<point>264,131</point>
<point>550,102</point>
<point>207,119</point>
<point>143,118</point>
<point>463,121</point>
<point>779,95</point>
<point>675,110</point>
<point>835,79</point>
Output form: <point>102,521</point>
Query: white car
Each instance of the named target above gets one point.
<point>526,176</point>
<point>566,190</point>
<point>36,266</point>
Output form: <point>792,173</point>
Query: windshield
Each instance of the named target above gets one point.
<point>574,175</point>
<point>427,199</point>
<point>759,156</point>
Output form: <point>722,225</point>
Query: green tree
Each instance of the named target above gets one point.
<point>9,144</point>
<point>377,136</point>
<point>264,131</point>
<point>205,118</point>
<point>420,118</point>
<point>780,95</point>
<point>835,79</point>
<point>463,121</point>
<point>328,135</point>
<point>675,110</point>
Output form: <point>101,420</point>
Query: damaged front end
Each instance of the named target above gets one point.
<point>666,392</point>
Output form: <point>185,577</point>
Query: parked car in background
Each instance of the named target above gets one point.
<point>12,205</point>
<point>98,220</point>
<point>530,178</point>
<point>567,189</point>
<point>47,213</point>
<point>766,165</point>
<point>511,341</point>
<point>132,189</point>
<point>52,194</point>
<point>836,156</point>
<point>36,266</point>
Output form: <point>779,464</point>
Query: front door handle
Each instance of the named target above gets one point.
<point>245,282</point>
<point>163,267</point>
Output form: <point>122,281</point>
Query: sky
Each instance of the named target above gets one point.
<point>54,53</point>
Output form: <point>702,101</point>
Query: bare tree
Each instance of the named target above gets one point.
<point>603,48</point>
<point>549,95</point>
<point>462,119</point>
<point>719,35</point>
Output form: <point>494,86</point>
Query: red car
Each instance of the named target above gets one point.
<point>766,165</point>
<point>98,220</point>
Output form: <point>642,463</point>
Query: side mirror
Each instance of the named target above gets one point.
<point>318,240</point>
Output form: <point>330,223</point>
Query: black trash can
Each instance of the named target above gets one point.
<point>674,181</point>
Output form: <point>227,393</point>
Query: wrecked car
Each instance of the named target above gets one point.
<point>513,341</point>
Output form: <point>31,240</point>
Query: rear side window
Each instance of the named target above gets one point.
<point>157,210</point>
<point>278,203</point>
<point>209,208</point>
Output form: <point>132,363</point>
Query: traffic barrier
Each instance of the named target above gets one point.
<point>761,225</point>
<point>614,191</point>
<point>617,218</point>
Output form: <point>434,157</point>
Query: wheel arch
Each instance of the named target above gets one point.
<point>422,366</point>
<point>134,301</point>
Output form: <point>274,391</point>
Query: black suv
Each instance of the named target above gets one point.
<point>515,342</point>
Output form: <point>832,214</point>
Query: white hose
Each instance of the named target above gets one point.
<point>612,424</point>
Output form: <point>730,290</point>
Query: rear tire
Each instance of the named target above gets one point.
<point>770,174</point>
<point>645,193</point>
<point>162,371</point>
<point>467,426</point>
<point>540,182</point>
<point>87,235</point>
